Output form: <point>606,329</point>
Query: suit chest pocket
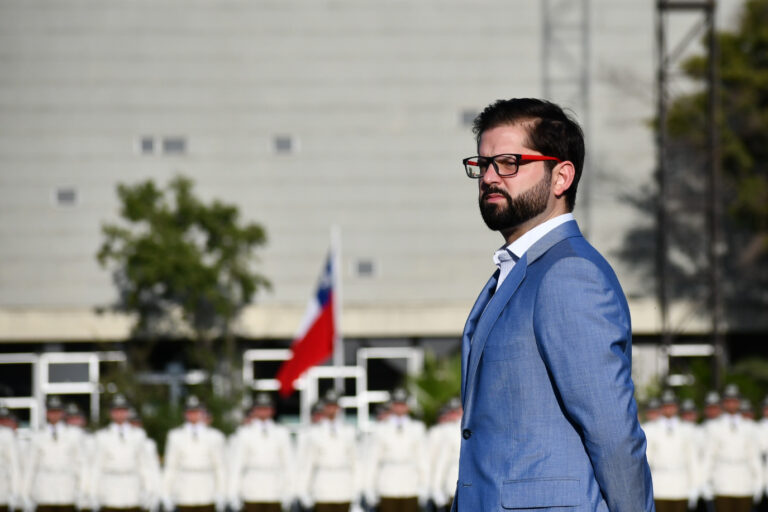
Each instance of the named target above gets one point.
<point>505,352</point>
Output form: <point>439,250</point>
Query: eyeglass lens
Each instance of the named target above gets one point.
<point>505,165</point>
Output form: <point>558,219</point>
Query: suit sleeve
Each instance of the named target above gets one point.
<point>583,332</point>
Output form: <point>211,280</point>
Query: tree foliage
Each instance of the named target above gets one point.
<point>743,64</point>
<point>184,269</point>
<point>743,129</point>
<point>180,263</point>
<point>436,384</point>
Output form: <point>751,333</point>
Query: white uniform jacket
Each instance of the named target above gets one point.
<point>262,464</point>
<point>700,442</point>
<point>194,466</point>
<point>445,464</point>
<point>672,455</point>
<point>56,464</point>
<point>732,459</point>
<point>86,493</point>
<point>154,489</point>
<point>398,459</point>
<point>120,478</point>
<point>10,471</point>
<point>328,455</point>
<point>762,441</point>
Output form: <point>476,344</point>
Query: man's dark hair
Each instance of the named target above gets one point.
<point>550,131</point>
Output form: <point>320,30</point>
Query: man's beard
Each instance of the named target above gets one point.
<point>522,208</point>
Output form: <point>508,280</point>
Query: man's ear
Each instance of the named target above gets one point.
<point>562,177</point>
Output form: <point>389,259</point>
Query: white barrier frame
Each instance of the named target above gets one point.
<point>262,354</point>
<point>414,357</point>
<point>308,386</point>
<point>682,350</point>
<point>91,387</point>
<point>25,402</point>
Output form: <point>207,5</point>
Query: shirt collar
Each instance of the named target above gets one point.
<point>396,420</point>
<point>268,423</point>
<point>674,421</point>
<point>516,249</point>
<point>193,427</point>
<point>503,255</point>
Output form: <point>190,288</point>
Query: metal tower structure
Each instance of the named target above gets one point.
<point>566,72</point>
<point>668,57</point>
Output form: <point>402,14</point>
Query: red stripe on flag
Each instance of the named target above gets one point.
<point>314,348</point>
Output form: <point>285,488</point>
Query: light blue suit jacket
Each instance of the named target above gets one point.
<point>550,421</point>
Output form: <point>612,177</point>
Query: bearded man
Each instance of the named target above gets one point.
<point>550,418</point>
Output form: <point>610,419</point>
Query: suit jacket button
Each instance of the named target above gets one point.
<point>466,434</point>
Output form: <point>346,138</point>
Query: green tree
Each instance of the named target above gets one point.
<point>743,127</point>
<point>183,269</point>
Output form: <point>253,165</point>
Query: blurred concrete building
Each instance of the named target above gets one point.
<point>306,114</point>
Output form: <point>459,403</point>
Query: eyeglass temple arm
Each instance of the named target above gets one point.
<point>539,157</point>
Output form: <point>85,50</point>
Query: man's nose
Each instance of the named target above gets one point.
<point>490,175</point>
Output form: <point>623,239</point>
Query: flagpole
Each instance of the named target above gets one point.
<point>338,342</point>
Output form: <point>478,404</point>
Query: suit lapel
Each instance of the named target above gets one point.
<point>482,319</point>
<point>489,317</point>
<point>469,327</point>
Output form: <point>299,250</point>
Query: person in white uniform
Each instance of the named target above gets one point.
<point>445,448</point>
<point>262,461</point>
<point>77,421</point>
<point>153,490</point>
<point>23,439</point>
<point>329,479</point>
<point>689,415</point>
<point>672,455</point>
<point>762,443</point>
<point>10,470</point>
<point>120,480</point>
<point>398,469</point>
<point>56,462</point>
<point>732,460</point>
<point>194,479</point>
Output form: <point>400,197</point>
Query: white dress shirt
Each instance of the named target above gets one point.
<point>506,257</point>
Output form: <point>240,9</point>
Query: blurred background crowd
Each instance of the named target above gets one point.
<point>329,464</point>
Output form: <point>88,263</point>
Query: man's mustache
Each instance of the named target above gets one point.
<point>494,190</point>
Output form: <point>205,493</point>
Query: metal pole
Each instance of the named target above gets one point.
<point>713,116</point>
<point>586,196</point>
<point>546,43</point>
<point>712,202</point>
<point>338,342</point>
<point>661,169</point>
<point>565,73</point>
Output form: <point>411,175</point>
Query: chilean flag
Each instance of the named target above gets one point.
<point>313,343</point>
